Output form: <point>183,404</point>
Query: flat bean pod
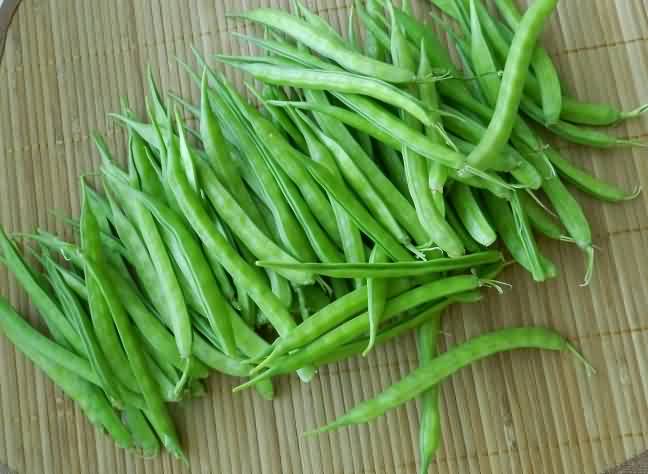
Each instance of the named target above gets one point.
<point>234,264</point>
<point>363,188</point>
<point>363,219</point>
<point>430,429</point>
<point>171,305</point>
<point>102,321</point>
<point>416,167</point>
<point>23,335</point>
<point>280,117</point>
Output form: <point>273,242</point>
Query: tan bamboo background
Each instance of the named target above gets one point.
<point>69,62</point>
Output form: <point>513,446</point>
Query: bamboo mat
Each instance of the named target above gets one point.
<point>69,62</point>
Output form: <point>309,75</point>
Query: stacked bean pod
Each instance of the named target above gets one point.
<point>370,192</point>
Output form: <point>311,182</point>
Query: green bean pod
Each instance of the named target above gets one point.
<point>327,46</point>
<point>231,260</point>
<point>83,325</point>
<point>280,118</point>
<point>376,297</point>
<point>399,328</point>
<point>471,215</point>
<point>102,321</point>
<point>363,188</point>
<point>515,73</point>
<point>588,183</point>
<point>40,298</point>
<point>469,243</point>
<point>569,211</point>
<point>241,224</point>
<point>338,81</point>
<point>395,269</point>
<point>542,66</point>
<point>352,244</point>
<point>540,218</point>
<point>143,436</point>
<point>399,206</point>
<point>326,319</point>
<point>363,219</point>
<point>160,418</point>
<point>502,218</point>
<point>577,134</point>
<point>230,117</point>
<point>445,365</point>
<point>172,304</point>
<point>25,337</point>
<point>430,429</point>
<point>358,325</point>
<point>283,153</point>
<point>89,397</point>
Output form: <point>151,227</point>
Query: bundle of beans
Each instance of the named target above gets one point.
<point>370,192</point>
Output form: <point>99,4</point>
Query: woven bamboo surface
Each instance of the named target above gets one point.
<point>69,62</point>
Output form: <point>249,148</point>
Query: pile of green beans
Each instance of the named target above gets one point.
<point>377,184</point>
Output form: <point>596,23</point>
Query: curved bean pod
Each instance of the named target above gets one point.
<point>96,357</point>
<point>416,167</point>
<point>588,183</point>
<point>26,338</point>
<point>172,305</point>
<point>540,218</point>
<point>515,73</point>
<point>448,363</point>
<point>502,218</point>
<point>541,64</point>
<point>577,134</point>
<point>363,188</point>
<point>283,153</point>
<point>470,214</point>
<point>363,219</point>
